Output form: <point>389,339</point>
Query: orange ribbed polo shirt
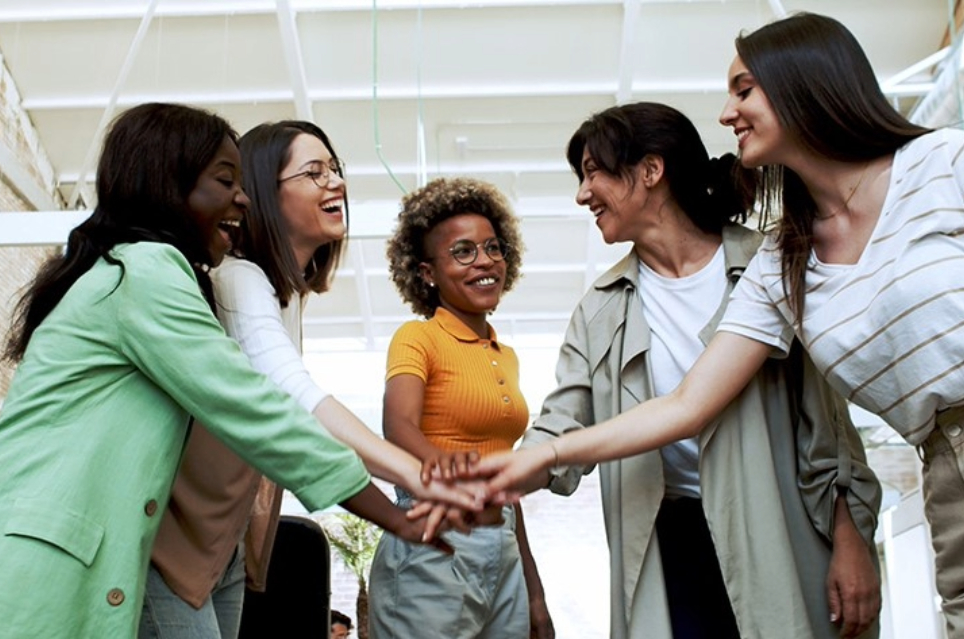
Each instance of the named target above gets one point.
<point>472,397</point>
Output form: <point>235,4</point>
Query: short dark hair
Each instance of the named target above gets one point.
<point>338,617</point>
<point>426,208</point>
<point>619,137</point>
<point>265,150</point>
<point>152,157</point>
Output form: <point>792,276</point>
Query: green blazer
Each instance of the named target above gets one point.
<point>91,435</point>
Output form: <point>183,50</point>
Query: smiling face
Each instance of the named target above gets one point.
<point>468,291</point>
<point>760,138</point>
<point>216,204</point>
<point>313,216</point>
<point>614,201</point>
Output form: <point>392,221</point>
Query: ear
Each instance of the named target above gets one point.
<point>651,170</point>
<point>425,271</point>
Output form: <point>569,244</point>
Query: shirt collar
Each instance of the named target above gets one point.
<point>457,328</point>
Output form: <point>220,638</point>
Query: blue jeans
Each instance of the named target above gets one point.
<point>167,616</point>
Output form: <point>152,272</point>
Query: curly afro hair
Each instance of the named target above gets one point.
<point>426,208</point>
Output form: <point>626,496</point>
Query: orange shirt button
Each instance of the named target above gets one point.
<point>495,363</point>
<point>486,345</point>
<point>501,382</point>
<point>150,508</point>
<point>115,597</point>
<point>505,399</point>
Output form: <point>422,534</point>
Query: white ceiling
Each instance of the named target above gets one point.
<point>491,89</point>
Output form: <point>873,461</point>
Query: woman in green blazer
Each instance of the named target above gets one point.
<point>118,349</point>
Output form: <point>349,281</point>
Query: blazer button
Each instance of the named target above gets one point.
<point>150,508</point>
<point>115,597</point>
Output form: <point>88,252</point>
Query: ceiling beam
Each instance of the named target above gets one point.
<point>629,54</point>
<point>38,228</point>
<point>108,114</point>
<point>448,92</point>
<point>291,43</point>
<point>40,11</point>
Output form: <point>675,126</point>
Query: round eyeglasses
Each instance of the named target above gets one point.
<point>320,176</point>
<point>466,252</point>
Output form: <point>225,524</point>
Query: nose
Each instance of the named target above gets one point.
<point>482,258</point>
<point>241,199</point>
<point>728,115</point>
<point>583,193</point>
<point>335,181</point>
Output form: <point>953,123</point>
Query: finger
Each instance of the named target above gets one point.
<point>419,509</point>
<point>833,602</point>
<point>432,522</point>
<point>851,615</point>
<point>428,468</point>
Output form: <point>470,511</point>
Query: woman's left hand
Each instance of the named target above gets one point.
<point>853,586</point>
<point>540,623</point>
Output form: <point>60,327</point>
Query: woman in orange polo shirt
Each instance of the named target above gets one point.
<point>452,391</point>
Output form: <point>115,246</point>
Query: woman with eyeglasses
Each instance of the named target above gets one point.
<point>117,346</point>
<point>452,393</point>
<point>287,247</point>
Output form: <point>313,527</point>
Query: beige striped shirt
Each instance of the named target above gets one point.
<point>888,331</point>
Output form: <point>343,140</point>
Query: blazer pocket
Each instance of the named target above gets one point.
<point>52,523</point>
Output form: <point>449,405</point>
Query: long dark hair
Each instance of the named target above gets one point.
<point>826,97</point>
<point>151,159</point>
<point>620,137</point>
<point>265,150</point>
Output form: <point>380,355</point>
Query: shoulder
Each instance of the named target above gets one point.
<point>610,287</point>
<point>239,274</point>
<point>163,265</point>
<point>923,147</point>
<point>412,331</point>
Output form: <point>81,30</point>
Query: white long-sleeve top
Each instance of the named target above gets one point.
<point>269,335</point>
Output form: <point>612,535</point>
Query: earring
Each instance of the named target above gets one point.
<point>431,284</point>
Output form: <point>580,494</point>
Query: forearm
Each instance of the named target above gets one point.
<point>529,570</point>
<point>717,377</point>
<point>383,459</point>
<point>371,504</point>
<point>844,529</point>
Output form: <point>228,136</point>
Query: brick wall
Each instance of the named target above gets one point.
<point>18,264</point>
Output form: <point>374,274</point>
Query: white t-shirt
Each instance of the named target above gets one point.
<point>269,335</point>
<point>887,332</point>
<point>677,309</point>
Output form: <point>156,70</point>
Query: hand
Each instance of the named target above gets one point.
<point>520,472</point>
<point>449,465</point>
<point>423,528</point>
<point>438,515</point>
<point>467,495</point>
<point>540,623</point>
<point>853,586</point>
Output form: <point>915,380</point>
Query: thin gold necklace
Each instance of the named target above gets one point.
<point>850,195</point>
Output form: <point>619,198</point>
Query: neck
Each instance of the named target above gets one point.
<point>478,322</point>
<point>841,187</point>
<point>675,247</point>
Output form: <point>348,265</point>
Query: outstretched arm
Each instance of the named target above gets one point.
<point>717,377</point>
<point>387,461</point>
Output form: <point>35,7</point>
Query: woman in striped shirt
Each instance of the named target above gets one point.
<point>861,268</point>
